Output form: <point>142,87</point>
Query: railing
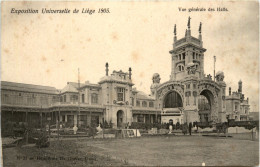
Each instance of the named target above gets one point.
<point>195,40</point>
<point>25,103</point>
<point>74,104</point>
<point>180,41</point>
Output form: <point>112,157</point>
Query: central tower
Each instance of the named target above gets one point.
<point>186,52</point>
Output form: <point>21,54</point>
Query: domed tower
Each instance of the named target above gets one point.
<point>187,50</point>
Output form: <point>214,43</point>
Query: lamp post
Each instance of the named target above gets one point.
<point>78,122</point>
<point>58,123</point>
<point>41,116</point>
<point>103,128</point>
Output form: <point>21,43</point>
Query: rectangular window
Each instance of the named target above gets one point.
<point>188,86</point>
<point>140,118</point>
<point>73,98</point>
<point>94,98</point>
<point>236,106</point>
<point>83,98</point>
<point>65,98</point>
<point>133,101</point>
<point>183,56</point>
<point>151,104</point>
<point>138,103</point>
<point>144,104</point>
<point>120,94</point>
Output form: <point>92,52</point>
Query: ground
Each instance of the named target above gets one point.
<point>148,151</point>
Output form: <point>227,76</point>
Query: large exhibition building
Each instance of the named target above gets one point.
<point>188,96</point>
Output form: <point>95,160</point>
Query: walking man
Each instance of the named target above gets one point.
<point>190,127</point>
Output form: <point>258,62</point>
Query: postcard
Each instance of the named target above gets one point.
<point>134,83</point>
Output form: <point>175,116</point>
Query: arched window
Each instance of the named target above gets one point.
<point>180,67</point>
<point>173,100</point>
<point>203,103</point>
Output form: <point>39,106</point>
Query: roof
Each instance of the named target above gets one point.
<point>73,86</point>
<point>69,88</point>
<point>142,95</point>
<point>28,87</point>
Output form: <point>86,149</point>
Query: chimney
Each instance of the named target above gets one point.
<point>229,91</point>
<point>107,69</point>
<point>130,72</point>
<point>240,86</point>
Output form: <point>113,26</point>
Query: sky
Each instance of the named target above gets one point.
<point>48,49</point>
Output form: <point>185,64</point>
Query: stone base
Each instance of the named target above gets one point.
<point>222,117</point>
<point>190,116</point>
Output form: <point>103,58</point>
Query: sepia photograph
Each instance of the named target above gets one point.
<point>134,83</point>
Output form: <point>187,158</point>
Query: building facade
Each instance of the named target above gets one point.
<point>188,96</point>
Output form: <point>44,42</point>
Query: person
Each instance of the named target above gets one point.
<point>170,129</point>
<point>75,129</point>
<point>190,127</point>
<point>184,128</point>
<point>99,129</point>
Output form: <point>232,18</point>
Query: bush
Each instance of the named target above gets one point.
<point>43,141</point>
<point>178,125</point>
<point>141,125</point>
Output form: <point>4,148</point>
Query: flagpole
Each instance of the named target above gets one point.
<point>78,99</point>
<point>214,66</point>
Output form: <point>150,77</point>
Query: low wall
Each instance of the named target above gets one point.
<point>205,130</point>
<point>245,136</point>
<point>240,130</point>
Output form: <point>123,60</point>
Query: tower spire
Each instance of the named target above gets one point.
<point>188,32</point>
<point>200,28</point>
<point>175,32</point>
<point>107,69</point>
<point>189,22</point>
<point>200,36</point>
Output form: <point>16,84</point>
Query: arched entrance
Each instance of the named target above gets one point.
<point>172,107</point>
<point>120,117</point>
<point>205,106</point>
<point>172,100</point>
